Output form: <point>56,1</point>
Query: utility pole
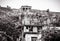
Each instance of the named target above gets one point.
<point>48,24</point>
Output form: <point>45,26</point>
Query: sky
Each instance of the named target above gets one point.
<point>52,5</point>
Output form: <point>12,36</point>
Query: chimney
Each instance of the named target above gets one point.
<point>0,5</point>
<point>47,10</point>
<point>8,7</point>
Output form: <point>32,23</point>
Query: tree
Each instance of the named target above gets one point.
<point>9,27</point>
<point>51,35</point>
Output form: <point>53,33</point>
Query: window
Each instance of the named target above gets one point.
<point>23,9</point>
<point>26,8</point>
<point>26,27</point>
<point>31,29</point>
<point>33,38</point>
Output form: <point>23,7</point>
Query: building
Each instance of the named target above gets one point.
<point>30,21</point>
<point>35,21</point>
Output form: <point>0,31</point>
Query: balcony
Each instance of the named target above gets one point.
<point>31,29</point>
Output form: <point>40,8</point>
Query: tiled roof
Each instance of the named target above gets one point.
<point>5,9</point>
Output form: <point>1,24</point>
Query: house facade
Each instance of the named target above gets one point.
<point>31,22</point>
